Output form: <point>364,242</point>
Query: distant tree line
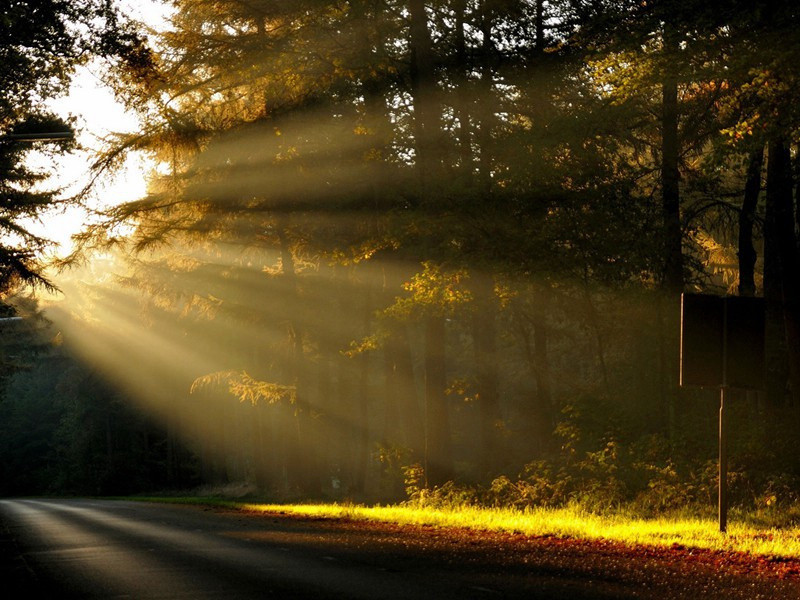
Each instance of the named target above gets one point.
<point>68,430</point>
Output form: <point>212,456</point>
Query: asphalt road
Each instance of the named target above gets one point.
<point>110,549</point>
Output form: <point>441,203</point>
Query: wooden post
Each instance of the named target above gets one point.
<point>722,345</point>
<point>723,465</point>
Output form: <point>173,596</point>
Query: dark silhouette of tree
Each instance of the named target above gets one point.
<point>41,42</point>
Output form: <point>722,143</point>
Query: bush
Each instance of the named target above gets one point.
<point>448,495</point>
<point>640,478</point>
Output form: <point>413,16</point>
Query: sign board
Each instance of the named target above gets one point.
<point>722,341</point>
<point>722,345</point>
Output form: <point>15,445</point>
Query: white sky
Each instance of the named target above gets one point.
<point>98,114</point>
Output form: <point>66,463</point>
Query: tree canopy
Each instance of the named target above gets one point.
<point>41,43</point>
<point>424,242</point>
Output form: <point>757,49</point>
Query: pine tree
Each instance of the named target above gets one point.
<point>41,42</point>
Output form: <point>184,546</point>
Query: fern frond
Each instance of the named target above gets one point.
<point>245,388</point>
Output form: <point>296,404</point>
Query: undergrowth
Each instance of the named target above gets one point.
<point>566,522</point>
<point>633,494</point>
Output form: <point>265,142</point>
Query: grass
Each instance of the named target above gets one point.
<point>571,522</point>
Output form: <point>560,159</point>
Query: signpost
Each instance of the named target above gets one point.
<point>722,345</point>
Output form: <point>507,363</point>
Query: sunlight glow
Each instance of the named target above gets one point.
<point>97,114</point>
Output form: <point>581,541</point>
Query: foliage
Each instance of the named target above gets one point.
<point>449,234</point>
<point>640,479</point>
<point>570,522</point>
<point>245,388</point>
<point>446,496</point>
<point>41,43</point>
<point>431,291</point>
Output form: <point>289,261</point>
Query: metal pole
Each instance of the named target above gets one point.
<point>723,465</point>
<point>723,441</point>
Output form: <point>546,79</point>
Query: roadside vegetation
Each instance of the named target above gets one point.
<point>748,533</point>
<point>664,516</point>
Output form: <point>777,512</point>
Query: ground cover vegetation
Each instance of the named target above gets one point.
<point>748,539</point>
<point>434,251</point>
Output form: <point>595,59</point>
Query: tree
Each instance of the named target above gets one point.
<point>41,42</point>
<point>476,203</point>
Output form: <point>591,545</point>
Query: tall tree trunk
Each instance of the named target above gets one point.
<point>672,282</point>
<point>485,350</point>
<point>173,466</point>
<point>540,413</point>
<point>362,394</point>
<point>747,252</point>
<point>423,91</point>
<point>213,441</point>
<point>426,126</point>
<point>670,177</point>
<point>411,415</point>
<point>593,319</point>
<point>347,432</point>
<point>463,94</point>
<point>539,17</point>
<point>327,423</point>
<point>541,368</point>
<point>392,437</point>
<point>775,336</point>
<point>796,184</point>
<point>407,427</point>
<point>485,315</point>
<point>438,445</point>
<point>303,470</point>
<point>487,108</point>
<point>261,474</point>
<point>780,211</point>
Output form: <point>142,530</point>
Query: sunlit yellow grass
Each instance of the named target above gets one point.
<point>566,522</point>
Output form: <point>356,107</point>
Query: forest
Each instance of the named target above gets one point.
<point>407,250</point>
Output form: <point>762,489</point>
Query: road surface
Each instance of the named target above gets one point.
<point>115,549</point>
